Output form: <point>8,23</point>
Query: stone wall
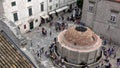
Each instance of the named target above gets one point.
<point>99,21</point>
<point>76,57</point>
<point>72,56</point>
<point>102,24</point>
<point>1,9</point>
<point>7,30</point>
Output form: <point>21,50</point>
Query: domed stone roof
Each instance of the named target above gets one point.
<point>81,36</point>
<point>80,39</point>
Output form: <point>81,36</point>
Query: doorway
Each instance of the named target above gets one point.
<point>70,6</point>
<point>31,25</point>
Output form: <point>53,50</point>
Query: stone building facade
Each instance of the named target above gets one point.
<point>103,16</point>
<point>59,5</point>
<point>26,14</point>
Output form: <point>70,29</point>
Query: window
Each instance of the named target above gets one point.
<point>15,16</point>
<point>113,16</point>
<point>24,26</point>
<point>30,11</point>
<point>13,3</point>
<point>91,7</point>
<point>50,0</point>
<point>50,7</point>
<point>36,20</point>
<point>56,5</point>
<point>42,6</point>
<point>29,0</point>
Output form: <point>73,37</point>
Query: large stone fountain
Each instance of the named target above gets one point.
<point>80,46</point>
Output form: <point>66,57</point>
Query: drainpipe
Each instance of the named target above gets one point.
<point>59,3</point>
<point>47,6</point>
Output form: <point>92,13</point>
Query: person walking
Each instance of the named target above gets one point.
<point>50,33</point>
<point>56,13</point>
<point>118,62</point>
<point>108,65</point>
<point>62,18</point>
<point>42,49</point>
<point>55,39</point>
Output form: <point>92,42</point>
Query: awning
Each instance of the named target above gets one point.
<point>51,12</point>
<point>61,9</point>
<point>45,16</point>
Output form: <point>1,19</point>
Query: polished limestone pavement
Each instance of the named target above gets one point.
<point>39,41</point>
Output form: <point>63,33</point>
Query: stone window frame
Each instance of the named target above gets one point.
<point>30,11</point>
<point>113,16</point>
<point>91,6</point>
<point>15,16</point>
<point>42,6</point>
<point>13,3</point>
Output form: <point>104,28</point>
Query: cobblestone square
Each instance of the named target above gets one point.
<point>38,41</point>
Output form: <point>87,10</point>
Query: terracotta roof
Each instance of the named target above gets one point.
<point>80,38</point>
<point>10,57</point>
<point>115,1</point>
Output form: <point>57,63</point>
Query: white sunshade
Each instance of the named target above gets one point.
<point>61,9</point>
<point>52,12</point>
<point>45,16</point>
